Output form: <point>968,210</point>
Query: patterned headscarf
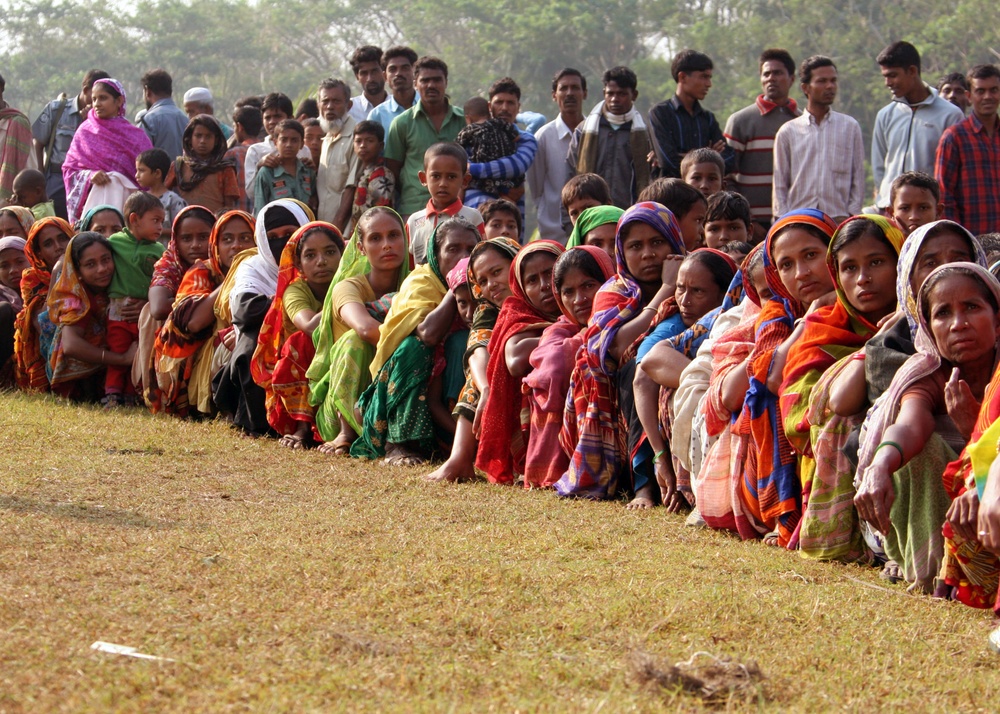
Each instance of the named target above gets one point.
<point>170,267</point>
<point>201,168</point>
<point>22,215</point>
<point>459,275</point>
<point>118,89</point>
<point>800,217</point>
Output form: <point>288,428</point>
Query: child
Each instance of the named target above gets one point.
<point>29,191</point>
<point>486,139</point>
<point>445,174</point>
<point>373,185</point>
<point>686,203</point>
<point>727,219</point>
<point>314,138</point>
<point>151,169</point>
<point>583,191</point>
<point>704,169</point>
<point>204,176</point>
<point>135,251</point>
<point>247,125</point>
<point>737,250</point>
<point>501,219</point>
<point>291,178</point>
<point>914,200</point>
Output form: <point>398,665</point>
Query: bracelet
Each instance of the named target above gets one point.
<point>658,454</point>
<point>894,445</point>
<point>103,352</point>
<point>648,307</point>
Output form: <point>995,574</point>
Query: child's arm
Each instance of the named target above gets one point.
<point>508,167</point>
<point>435,326</point>
<point>343,214</point>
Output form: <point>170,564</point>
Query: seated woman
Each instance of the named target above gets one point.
<point>862,261</point>
<point>795,266</point>
<point>15,222</point>
<point>33,330</point>
<point>596,226</point>
<point>104,219</point>
<point>530,309</point>
<point>648,251</point>
<point>12,264</point>
<point>191,337</point>
<point>578,275</point>
<point>252,285</point>
<point>488,277</point>
<point>204,176</point>
<point>396,416</point>
<point>285,344</point>
<point>374,265</point>
<point>928,416</point>
<point>78,307</point>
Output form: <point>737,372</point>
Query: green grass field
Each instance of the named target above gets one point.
<point>291,581</point>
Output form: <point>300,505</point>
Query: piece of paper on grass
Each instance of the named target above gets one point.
<point>125,650</point>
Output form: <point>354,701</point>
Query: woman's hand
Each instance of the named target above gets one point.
<point>100,178</point>
<point>963,408</point>
<point>131,309</point>
<point>126,358</point>
<point>964,515</point>
<point>228,339</point>
<point>889,321</point>
<point>670,497</point>
<point>875,497</point>
<point>822,301</point>
<point>671,266</point>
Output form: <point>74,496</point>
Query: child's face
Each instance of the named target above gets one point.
<point>444,178</point>
<point>536,279</point>
<point>28,197</point>
<point>107,223</point>
<point>52,244</point>
<point>12,264</point>
<point>288,143</point>
<point>314,140</point>
<point>146,177</point>
<point>645,250</point>
<point>273,117</point>
<point>465,304</point>
<point>705,177</point>
<point>192,239</point>
<point>319,259</point>
<point>914,207</point>
<point>577,206</point>
<point>367,147</point>
<point>691,226</point>
<point>725,230</point>
<point>149,225</point>
<point>202,142</point>
<point>236,236</point>
<point>759,280</point>
<point>603,237</point>
<point>502,225</point>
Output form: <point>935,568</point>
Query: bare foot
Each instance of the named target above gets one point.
<point>451,471</point>
<point>643,500</point>
<point>892,572</point>
<point>400,455</point>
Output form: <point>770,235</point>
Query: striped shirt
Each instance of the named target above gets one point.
<point>968,168</point>
<point>506,167</point>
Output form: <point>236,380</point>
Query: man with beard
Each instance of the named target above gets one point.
<point>397,64</point>
<point>366,63</point>
<point>164,122</point>
<point>819,157</point>
<point>549,172</point>
<point>337,162</point>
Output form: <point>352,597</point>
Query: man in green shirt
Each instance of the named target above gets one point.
<point>427,122</point>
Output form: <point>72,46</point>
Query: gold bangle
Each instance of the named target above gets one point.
<point>103,353</point>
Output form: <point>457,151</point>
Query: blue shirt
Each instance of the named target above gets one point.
<point>388,110</point>
<point>164,124</point>
<point>508,167</point>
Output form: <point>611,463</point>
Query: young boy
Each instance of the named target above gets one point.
<point>501,219</point>
<point>373,185</point>
<point>914,200</point>
<point>291,178</point>
<point>29,191</point>
<point>727,219</point>
<point>445,174</point>
<point>704,169</point>
<point>151,168</point>
<point>583,191</point>
<point>485,139</point>
<point>314,138</point>
<point>687,204</point>
<point>247,126</point>
<point>135,252</point>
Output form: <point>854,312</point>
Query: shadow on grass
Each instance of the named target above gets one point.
<point>83,512</point>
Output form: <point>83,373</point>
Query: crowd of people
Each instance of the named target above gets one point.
<point>706,318</point>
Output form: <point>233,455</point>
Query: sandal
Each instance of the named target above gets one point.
<point>892,572</point>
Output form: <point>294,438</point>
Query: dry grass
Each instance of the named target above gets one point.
<point>283,581</point>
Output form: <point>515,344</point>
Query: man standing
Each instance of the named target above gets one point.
<point>750,133</point>
<point>164,122</point>
<point>968,158</point>
<point>366,63</point>
<point>337,162</point>
<point>15,146</point>
<point>549,172</point>
<point>199,100</point>
<point>954,88</point>
<point>681,123</point>
<point>430,120</point>
<point>613,141</point>
<point>397,63</point>
<point>907,129</point>
<point>53,131</point>
<point>819,157</point>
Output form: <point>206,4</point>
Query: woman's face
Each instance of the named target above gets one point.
<point>800,258</point>
<point>696,292</point>
<point>603,237</point>
<point>645,252</point>
<point>319,258</point>
<point>192,239</point>
<point>10,226</point>
<point>12,264</point>
<point>51,245</point>
<point>107,223</point>
<point>106,105</point>
<point>97,267</point>
<point>277,239</point>
<point>383,242</point>
<point>866,268</point>
<point>236,236</point>
<point>492,273</point>
<point>577,294</point>
<point>536,280</point>
<point>946,247</point>
<point>963,322</point>
<point>454,246</point>
<point>202,141</point>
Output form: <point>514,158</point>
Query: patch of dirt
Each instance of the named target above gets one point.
<point>717,681</point>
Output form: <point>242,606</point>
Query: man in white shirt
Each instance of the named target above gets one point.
<point>337,162</point>
<point>366,63</point>
<point>549,172</point>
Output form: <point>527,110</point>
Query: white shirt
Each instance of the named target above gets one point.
<point>360,106</point>
<point>548,174</point>
<point>255,153</point>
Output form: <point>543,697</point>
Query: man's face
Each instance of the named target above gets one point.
<point>147,97</point>
<point>775,80</point>
<point>696,84</point>
<point>371,78</point>
<point>432,84</point>
<point>85,91</point>
<point>985,96</point>
<point>193,109</point>
<point>333,103</point>
<point>955,93</point>
<point>273,117</point>
<point>504,105</point>
<point>901,80</point>
<point>569,94</point>
<point>399,73</point>
<point>822,86</point>
<point>619,100</point>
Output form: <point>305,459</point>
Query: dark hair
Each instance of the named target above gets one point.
<point>251,100</point>
<point>590,186</point>
<point>954,78</point>
<point>703,155</point>
<point>447,148</point>
<point>156,160</point>
<point>309,107</point>
<point>490,208</point>
<point>476,107</point>
<point>199,213</point>
<point>579,259</point>
<point>292,124</point>
<point>279,101</point>
<point>311,122</point>
<point>140,203</point>
<point>728,206</point>
<point>81,241</point>
<point>374,211</point>
<point>777,55</point>
<point>736,247</point>
<point>430,63</point>
<point>855,230</point>
<point>250,118</point>
<point>899,54</point>
<point>94,75</point>
<point>28,179</point>
<point>569,72</point>
<point>622,76</point>
<point>398,51</point>
<point>811,64</point>
<point>452,225</point>
<point>159,82</point>
<point>983,71</point>
<point>673,193</point>
<point>945,272</point>
<point>990,243</point>
<point>504,85</point>
<point>722,272</point>
<point>328,231</point>
<point>363,54</point>
<point>332,83</point>
<point>373,128</point>
<point>917,179</point>
<point>688,61</point>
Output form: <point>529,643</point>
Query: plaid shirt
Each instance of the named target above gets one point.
<point>967,166</point>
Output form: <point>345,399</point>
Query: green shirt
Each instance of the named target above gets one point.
<point>43,210</point>
<point>134,261</point>
<point>410,135</point>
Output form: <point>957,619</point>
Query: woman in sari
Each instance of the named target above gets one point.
<point>13,262</point>
<point>15,221</point>
<point>371,272</point>
<point>104,219</point>
<point>596,226</point>
<point>102,154</point>
<point>204,176</point>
